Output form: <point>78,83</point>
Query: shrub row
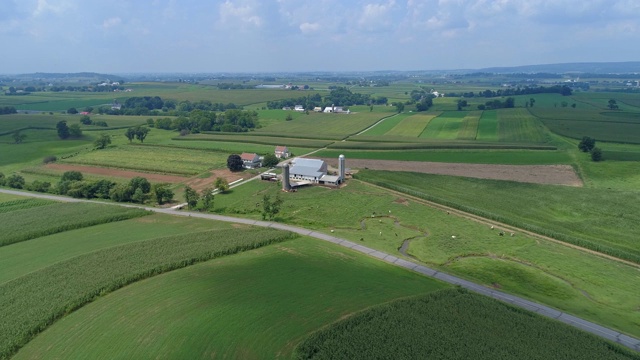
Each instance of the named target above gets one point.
<point>33,302</point>
<point>454,324</point>
<point>618,253</point>
<point>45,220</point>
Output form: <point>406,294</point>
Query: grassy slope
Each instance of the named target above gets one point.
<point>430,327</point>
<point>258,304</point>
<point>586,285</point>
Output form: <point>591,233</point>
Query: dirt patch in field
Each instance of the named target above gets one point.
<point>200,184</point>
<point>127,174</point>
<point>538,174</point>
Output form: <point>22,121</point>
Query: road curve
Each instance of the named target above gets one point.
<point>609,334</point>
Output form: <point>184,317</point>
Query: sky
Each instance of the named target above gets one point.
<point>160,36</point>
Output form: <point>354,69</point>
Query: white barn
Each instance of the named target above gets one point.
<point>307,169</point>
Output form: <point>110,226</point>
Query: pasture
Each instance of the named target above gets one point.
<point>598,289</point>
<point>326,126</point>
<point>257,304</point>
<point>429,326</point>
<point>444,126</point>
<point>386,125</point>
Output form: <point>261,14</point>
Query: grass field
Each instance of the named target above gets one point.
<point>257,304</point>
<point>386,125</point>
<point>566,213</point>
<point>513,157</point>
<point>148,158</point>
<point>488,127</point>
<point>469,126</point>
<point>411,126</point>
<point>328,126</point>
<point>260,140</point>
<point>429,327</point>
<point>601,290</point>
<point>444,126</point>
<point>517,125</point>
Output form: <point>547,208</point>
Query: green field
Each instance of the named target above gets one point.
<point>259,139</point>
<point>514,157</point>
<point>444,126</point>
<point>148,158</point>
<point>258,304</point>
<point>327,126</point>
<point>469,126</point>
<point>411,126</point>
<point>386,125</point>
<point>598,289</point>
<point>488,126</point>
<point>517,125</point>
<point>430,327</point>
<point>29,223</point>
<point>566,213</point>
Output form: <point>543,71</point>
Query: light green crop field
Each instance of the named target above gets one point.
<point>258,304</point>
<point>513,157</point>
<point>429,327</point>
<point>329,126</point>
<point>255,139</point>
<point>28,256</point>
<point>411,126</point>
<point>153,159</point>
<point>444,126</point>
<point>516,125</point>
<point>596,288</point>
<point>469,126</point>
<point>385,126</point>
<point>488,127</point>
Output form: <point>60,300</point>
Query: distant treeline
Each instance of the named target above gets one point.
<point>4,110</point>
<point>232,86</point>
<point>199,120</point>
<point>556,89</point>
<point>339,96</point>
<point>148,105</point>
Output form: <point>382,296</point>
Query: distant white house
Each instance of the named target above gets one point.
<point>250,161</point>
<point>317,109</point>
<point>282,152</point>
<point>336,110</point>
<point>298,108</point>
<point>115,105</point>
<point>307,169</point>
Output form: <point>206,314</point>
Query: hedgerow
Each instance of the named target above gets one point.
<point>454,324</point>
<point>31,303</point>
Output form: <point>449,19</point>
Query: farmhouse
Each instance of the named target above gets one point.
<point>336,110</point>
<point>317,109</point>
<point>298,108</point>
<point>282,152</point>
<point>250,161</point>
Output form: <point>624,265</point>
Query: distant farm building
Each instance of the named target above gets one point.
<point>311,171</point>
<point>250,161</point>
<point>317,109</point>
<point>298,108</point>
<point>282,152</point>
<point>336,110</point>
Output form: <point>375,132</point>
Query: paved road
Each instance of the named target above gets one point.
<point>543,310</point>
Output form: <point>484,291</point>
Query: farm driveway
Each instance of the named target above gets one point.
<point>543,310</point>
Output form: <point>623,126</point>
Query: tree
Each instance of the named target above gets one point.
<point>71,176</point>
<point>139,196</point>
<point>612,104</point>
<point>270,160</point>
<point>3,180</point>
<point>461,104</point>
<point>221,184</point>
<point>399,106</point>
<point>18,138</point>
<point>289,117</point>
<point>72,111</point>
<point>130,134</point>
<point>141,183</point>
<point>102,141</point>
<point>141,133</point>
<point>63,129</point>
<point>15,181</point>
<point>531,102</point>
<point>85,120</point>
<point>587,144</point>
<point>596,154</point>
<point>234,162</point>
<point>191,197</point>
<point>206,200</point>
<point>162,193</point>
<point>270,208</point>
<point>75,131</point>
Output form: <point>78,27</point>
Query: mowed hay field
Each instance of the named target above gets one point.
<point>258,304</point>
<point>411,126</point>
<point>429,327</point>
<point>152,159</point>
<point>575,281</point>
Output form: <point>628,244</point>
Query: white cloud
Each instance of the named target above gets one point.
<point>309,28</point>
<point>375,16</point>
<point>52,6</point>
<point>111,22</point>
<point>243,14</point>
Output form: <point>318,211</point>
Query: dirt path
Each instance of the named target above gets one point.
<point>127,174</point>
<point>537,174</point>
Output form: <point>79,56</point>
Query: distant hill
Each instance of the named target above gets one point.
<point>586,67</point>
<point>81,76</point>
